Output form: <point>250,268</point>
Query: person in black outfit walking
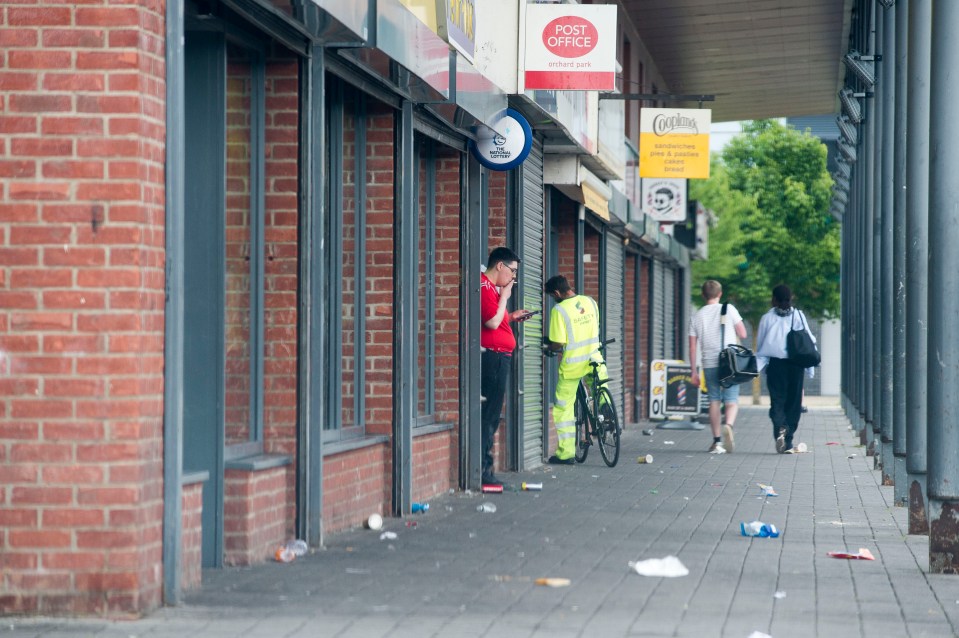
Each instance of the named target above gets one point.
<point>784,379</point>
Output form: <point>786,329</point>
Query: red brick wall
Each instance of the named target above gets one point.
<point>496,212</point>
<point>591,242</point>
<point>237,238</point>
<point>81,306</point>
<point>379,270</point>
<point>348,310</point>
<point>191,536</point>
<point>280,268</point>
<point>447,286</point>
<point>629,347</point>
<point>567,257</point>
<point>644,300</point>
<point>355,485</point>
<point>435,463</point>
<point>255,506</point>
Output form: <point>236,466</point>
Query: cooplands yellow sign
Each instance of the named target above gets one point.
<point>674,143</point>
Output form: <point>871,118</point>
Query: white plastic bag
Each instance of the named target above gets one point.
<point>669,567</point>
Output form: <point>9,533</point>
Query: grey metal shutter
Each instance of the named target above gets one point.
<point>532,421</point>
<point>669,312</point>
<point>656,310</point>
<point>613,319</point>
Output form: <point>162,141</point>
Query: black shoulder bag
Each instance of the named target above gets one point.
<point>737,364</point>
<point>800,350</point>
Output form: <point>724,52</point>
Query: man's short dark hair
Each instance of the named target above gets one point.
<point>557,284</point>
<point>501,254</point>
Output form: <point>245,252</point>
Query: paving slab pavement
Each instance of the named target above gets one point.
<point>459,572</point>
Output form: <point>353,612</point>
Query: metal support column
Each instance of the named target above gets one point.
<point>311,300</point>
<point>472,247</point>
<point>870,362</point>
<point>943,365</point>
<point>887,293</point>
<point>173,308</point>
<point>863,241</point>
<point>917,258</point>
<point>404,311</point>
<point>898,471</point>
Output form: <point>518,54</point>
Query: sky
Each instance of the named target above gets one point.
<point>721,132</point>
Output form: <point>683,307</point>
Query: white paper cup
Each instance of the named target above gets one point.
<point>375,522</point>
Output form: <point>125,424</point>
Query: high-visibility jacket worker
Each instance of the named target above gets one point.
<point>574,330</point>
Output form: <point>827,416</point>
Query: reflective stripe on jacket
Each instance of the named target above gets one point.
<point>574,322</point>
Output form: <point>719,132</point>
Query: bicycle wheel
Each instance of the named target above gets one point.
<point>582,425</point>
<point>608,428</point>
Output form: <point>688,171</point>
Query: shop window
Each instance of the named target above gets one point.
<point>348,286</point>
<point>426,282</point>
<point>243,252</point>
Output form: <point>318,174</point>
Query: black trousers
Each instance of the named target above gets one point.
<point>495,375</point>
<point>785,381</point>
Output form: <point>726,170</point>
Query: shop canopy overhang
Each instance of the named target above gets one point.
<point>760,58</point>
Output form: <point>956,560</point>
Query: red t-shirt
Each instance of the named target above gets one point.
<point>501,339</point>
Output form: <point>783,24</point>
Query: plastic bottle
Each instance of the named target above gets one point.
<point>284,555</point>
<point>420,508</point>
<point>298,547</point>
<point>486,508</point>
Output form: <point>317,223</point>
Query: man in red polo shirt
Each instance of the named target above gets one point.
<point>498,344</point>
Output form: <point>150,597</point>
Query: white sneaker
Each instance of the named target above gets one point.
<point>717,448</point>
<point>728,437</point>
<point>781,441</point>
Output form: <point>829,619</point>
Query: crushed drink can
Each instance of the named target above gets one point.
<point>645,458</point>
<point>493,489</point>
<point>532,487</point>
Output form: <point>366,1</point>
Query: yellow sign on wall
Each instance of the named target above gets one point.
<point>674,143</point>
<point>595,201</point>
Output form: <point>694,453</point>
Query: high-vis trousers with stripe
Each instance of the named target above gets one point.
<point>564,409</point>
<point>564,417</point>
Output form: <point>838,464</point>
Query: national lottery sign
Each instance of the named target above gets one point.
<point>570,47</point>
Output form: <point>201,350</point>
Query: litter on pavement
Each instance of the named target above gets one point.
<point>760,529</point>
<point>553,582</point>
<point>668,567</point>
<point>862,554</point>
<point>388,536</point>
<point>767,490</point>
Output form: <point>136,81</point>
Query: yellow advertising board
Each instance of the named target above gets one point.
<point>595,201</point>
<point>425,12</point>
<point>674,143</point>
<point>452,20</point>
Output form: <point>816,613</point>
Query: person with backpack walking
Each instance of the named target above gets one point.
<point>707,337</point>
<point>785,361</point>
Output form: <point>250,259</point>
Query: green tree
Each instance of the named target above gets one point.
<point>771,193</point>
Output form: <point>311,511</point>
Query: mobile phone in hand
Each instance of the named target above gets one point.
<point>527,315</point>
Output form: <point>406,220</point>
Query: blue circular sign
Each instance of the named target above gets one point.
<point>504,152</point>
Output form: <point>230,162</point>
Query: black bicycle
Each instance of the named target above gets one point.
<point>596,416</point>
